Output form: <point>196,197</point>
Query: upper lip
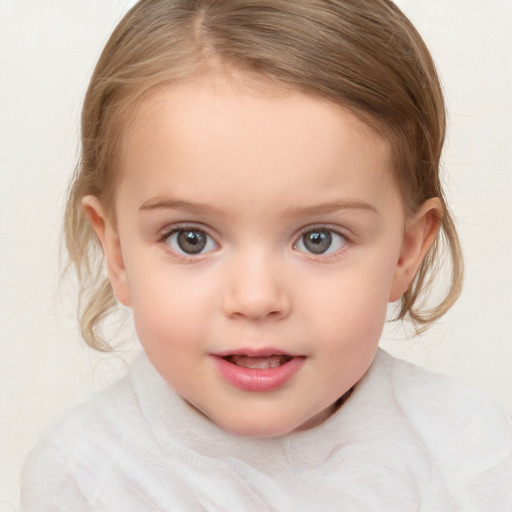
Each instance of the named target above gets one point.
<point>254,352</point>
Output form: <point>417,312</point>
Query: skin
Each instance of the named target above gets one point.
<point>254,169</point>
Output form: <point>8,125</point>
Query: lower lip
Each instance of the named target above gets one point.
<point>255,379</point>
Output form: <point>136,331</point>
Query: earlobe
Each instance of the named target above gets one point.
<point>109,239</point>
<point>419,234</point>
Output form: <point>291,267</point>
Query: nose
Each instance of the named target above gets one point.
<point>255,290</point>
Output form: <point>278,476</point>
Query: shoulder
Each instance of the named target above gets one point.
<point>104,414</point>
<point>468,436</point>
<point>59,471</point>
<point>437,398</point>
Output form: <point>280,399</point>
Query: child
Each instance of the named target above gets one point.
<point>262,178</point>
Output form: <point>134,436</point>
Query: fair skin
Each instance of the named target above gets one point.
<point>258,227</point>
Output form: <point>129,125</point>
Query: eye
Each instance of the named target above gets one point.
<point>320,241</point>
<point>190,241</point>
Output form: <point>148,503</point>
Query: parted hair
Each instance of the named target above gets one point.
<point>364,55</point>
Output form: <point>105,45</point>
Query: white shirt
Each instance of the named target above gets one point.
<point>406,440</point>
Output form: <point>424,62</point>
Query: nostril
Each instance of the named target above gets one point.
<point>255,290</point>
<point>256,308</point>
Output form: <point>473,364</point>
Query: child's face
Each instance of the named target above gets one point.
<point>261,229</point>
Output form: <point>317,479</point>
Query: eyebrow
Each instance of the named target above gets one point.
<point>161,203</point>
<point>356,206</point>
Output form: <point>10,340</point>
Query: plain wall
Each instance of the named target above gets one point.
<point>48,50</point>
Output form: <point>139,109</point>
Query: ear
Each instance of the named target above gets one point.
<point>109,238</point>
<point>420,231</point>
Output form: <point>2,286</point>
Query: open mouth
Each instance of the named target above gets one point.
<point>258,362</point>
<point>258,371</point>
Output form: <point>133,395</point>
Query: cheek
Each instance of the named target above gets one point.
<point>351,305</point>
<point>354,290</point>
<point>171,309</point>
<point>156,301</point>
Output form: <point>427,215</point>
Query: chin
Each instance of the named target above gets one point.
<point>269,428</point>
<point>259,432</point>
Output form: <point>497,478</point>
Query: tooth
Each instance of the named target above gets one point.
<point>259,363</point>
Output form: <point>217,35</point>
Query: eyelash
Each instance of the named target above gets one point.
<point>329,256</point>
<point>184,258</point>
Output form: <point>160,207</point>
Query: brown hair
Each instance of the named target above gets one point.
<point>362,54</point>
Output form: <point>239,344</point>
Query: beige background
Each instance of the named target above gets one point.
<point>47,52</point>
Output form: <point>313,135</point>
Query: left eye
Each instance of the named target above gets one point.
<point>190,241</point>
<point>320,241</point>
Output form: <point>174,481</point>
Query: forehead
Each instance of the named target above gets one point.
<point>207,100</point>
<point>254,136</point>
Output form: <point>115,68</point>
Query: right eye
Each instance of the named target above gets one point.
<point>190,242</point>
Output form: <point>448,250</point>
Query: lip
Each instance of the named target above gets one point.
<point>254,352</point>
<point>255,379</point>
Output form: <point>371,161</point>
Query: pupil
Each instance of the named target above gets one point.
<point>191,242</point>
<point>317,241</point>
